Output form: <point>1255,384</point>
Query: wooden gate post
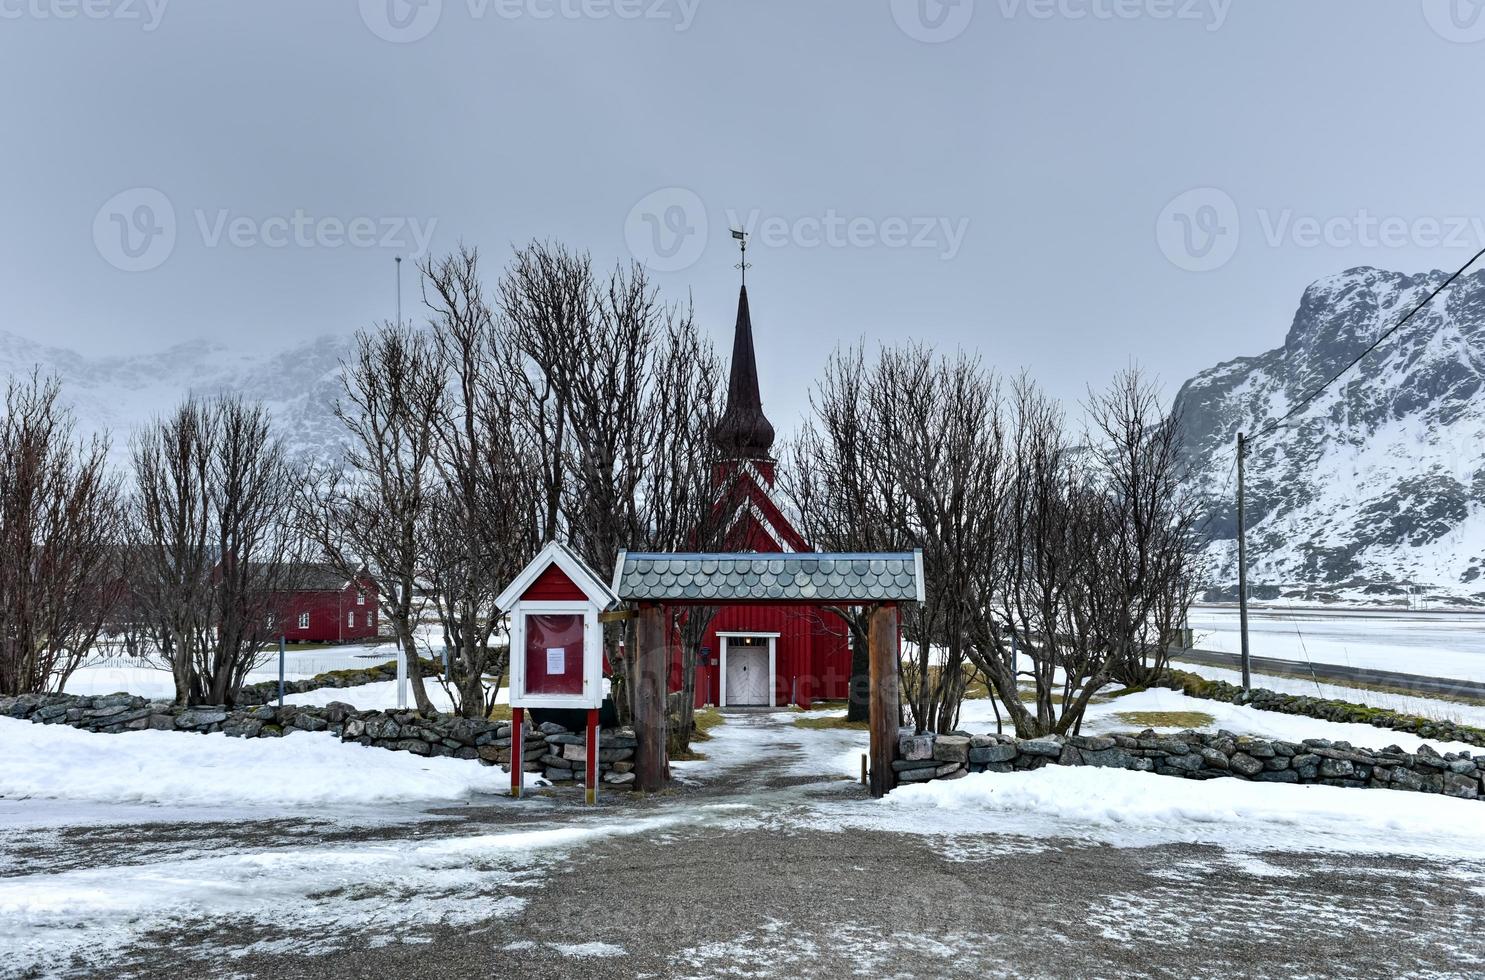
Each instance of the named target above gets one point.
<point>883,701</point>
<point>652,667</point>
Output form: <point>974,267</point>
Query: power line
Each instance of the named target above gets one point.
<point>1272,425</point>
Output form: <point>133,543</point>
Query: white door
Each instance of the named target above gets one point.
<point>747,675</point>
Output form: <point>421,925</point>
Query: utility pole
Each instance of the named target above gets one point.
<point>1242,536</point>
<point>399,291</point>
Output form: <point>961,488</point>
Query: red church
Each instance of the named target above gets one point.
<point>763,655</point>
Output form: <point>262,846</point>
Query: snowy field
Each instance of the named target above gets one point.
<point>1431,644</point>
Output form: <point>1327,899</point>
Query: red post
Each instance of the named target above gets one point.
<point>517,751</point>
<point>592,755</point>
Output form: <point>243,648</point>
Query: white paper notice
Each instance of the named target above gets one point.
<point>556,661</point>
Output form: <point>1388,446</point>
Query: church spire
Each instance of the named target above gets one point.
<point>744,431</point>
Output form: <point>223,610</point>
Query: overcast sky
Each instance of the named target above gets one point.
<point>1014,176</point>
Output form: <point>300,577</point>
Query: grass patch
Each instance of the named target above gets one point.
<point>1165,719</point>
<point>703,720</point>
<point>499,712</point>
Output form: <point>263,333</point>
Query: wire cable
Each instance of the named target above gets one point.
<point>1274,424</point>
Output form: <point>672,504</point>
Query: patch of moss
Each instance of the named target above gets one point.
<point>1165,719</point>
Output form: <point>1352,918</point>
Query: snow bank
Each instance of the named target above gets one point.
<point>176,768</point>
<point>1120,798</point>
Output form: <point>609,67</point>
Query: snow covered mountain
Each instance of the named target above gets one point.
<point>120,393</point>
<point>1379,480</point>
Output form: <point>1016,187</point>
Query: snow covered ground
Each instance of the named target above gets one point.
<point>1432,644</point>
<point>176,769</point>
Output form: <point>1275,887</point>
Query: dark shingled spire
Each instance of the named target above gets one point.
<point>744,432</point>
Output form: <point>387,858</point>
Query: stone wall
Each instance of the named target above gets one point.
<point>1195,755</point>
<point>550,750</point>
<point>266,691</point>
<point>1323,708</point>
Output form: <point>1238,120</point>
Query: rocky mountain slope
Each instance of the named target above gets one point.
<point>1379,480</point>
<point>119,393</point>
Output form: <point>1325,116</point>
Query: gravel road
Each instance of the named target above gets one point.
<point>743,874</point>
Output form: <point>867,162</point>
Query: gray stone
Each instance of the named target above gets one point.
<point>981,755</point>
<point>951,748</point>
<point>1463,787</point>
<point>558,775</point>
<point>415,746</point>
<point>1214,759</point>
<point>1337,769</point>
<point>915,747</point>
<point>1184,763</point>
<point>200,718</point>
<point>618,778</point>
<point>1245,765</point>
<point>1113,758</point>
<point>1048,745</point>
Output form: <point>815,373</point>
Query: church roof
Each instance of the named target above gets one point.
<point>744,431</point>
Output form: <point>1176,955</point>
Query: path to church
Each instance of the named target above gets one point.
<point>762,871</point>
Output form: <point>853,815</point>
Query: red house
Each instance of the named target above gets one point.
<point>325,607</point>
<point>763,655</point>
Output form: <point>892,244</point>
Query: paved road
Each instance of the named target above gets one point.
<point>1411,683</point>
<point>751,873</point>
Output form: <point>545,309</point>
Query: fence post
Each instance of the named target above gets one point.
<point>281,670</point>
<point>401,676</point>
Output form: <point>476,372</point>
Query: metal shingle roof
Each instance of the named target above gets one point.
<point>793,577</point>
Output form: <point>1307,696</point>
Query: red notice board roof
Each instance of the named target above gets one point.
<point>558,554</point>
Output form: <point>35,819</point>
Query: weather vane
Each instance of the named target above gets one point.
<point>742,241</point>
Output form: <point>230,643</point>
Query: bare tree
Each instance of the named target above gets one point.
<point>373,513</point>
<point>213,547</point>
<point>479,540</point>
<point>60,523</point>
<point>617,393</point>
<point>839,484</point>
<point>1150,561</point>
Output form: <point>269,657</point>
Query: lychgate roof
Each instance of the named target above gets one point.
<point>749,577</point>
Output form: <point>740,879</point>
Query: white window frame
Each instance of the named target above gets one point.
<point>304,620</point>
<point>361,598</point>
<point>350,619</point>
<point>592,695</point>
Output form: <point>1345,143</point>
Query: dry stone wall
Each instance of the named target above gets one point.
<point>1196,755</point>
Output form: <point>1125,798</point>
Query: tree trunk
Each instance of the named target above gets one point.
<point>414,667</point>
